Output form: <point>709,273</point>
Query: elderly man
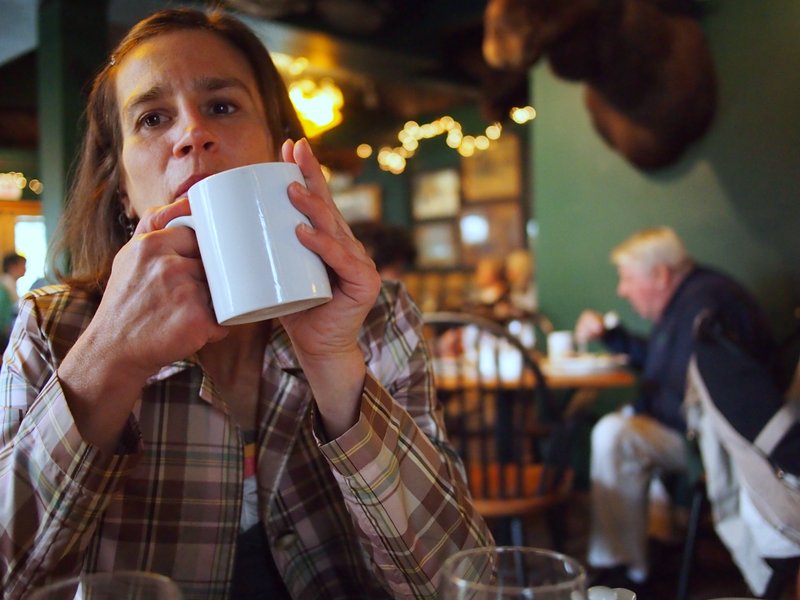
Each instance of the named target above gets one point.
<point>664,285</point>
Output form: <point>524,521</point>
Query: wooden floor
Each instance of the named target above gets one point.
<point>714,575</point>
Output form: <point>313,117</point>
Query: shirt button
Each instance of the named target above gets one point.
<point>286,540</point>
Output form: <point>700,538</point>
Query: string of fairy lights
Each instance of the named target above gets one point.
<point>394,158</point>
<point>14,183</point>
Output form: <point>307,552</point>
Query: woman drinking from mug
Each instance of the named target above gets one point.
<point>299,457</point>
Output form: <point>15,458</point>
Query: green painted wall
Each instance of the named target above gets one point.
<point>17,159</point>
<point>733,197</point>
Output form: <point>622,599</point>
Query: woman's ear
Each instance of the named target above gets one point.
<point>127,209</point>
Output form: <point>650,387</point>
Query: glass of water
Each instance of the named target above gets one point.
<point>121,585</point>
<point>509,572</point>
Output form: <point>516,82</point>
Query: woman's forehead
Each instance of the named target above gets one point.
<point>179,59</point>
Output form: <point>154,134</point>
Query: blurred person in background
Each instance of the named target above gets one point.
<point>520,271</point>
<point>489,287</point>
<point>664,285</point>
<point>14,266</point>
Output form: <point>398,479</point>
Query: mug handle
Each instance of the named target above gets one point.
<point>185,221</point>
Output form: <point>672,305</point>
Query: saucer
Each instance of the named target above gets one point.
<point>582,364</point>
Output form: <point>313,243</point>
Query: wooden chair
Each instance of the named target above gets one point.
<point>756,429</point>
<point>502,421</point>
<point>538,327</point>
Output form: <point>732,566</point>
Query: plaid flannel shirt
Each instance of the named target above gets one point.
<point>371,514</point>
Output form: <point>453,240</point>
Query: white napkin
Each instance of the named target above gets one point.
<point>600,592</point>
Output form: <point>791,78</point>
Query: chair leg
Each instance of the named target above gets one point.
<point>698,499</point>
<point>517,531</point>
<point>556,526</point>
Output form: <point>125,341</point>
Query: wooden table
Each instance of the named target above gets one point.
<point>462,391</point>
<point>612,378</point>
<point>555,378</point>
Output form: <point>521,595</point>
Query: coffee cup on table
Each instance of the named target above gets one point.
<point>559,345</point>
<point>245,225</point>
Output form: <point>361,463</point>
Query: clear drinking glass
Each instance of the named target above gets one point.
<point>121,585</point>
<point>512,573</point>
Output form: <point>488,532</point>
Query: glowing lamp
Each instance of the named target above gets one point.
<point>317,104</point>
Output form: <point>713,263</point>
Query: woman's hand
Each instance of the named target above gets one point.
<point>155,309</point>
<point>325,337</point>
<point>157,299</point>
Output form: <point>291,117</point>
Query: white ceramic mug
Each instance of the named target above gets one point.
<point>245,225</point>
<point>559,345</point>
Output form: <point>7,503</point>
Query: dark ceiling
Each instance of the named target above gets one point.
<point>406,57</point>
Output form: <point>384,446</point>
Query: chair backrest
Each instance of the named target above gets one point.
<point>743,407</point>
<point>499,414</point>
<point>532,329</point>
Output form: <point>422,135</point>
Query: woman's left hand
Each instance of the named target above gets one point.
<point>325,337</point>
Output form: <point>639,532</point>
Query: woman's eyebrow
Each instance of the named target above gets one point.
<point>212,84</point>
<point>155,92</point>
<point>207,84</point>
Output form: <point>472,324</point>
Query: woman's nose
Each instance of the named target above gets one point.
<point>196,136</point>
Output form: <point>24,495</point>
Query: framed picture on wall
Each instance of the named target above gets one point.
<point>437,244</point>
<point>435,194</point>
<point>359,203</point>
<point>490,230</point>
<point>494,173</point>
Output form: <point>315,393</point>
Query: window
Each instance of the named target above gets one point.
<point>30,241</point>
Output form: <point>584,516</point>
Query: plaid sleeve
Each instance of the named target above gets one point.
<point>55,486</point>
<point>401,479</point>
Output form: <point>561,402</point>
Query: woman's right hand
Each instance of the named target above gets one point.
<point>156,309</point>
<point>157,298</point>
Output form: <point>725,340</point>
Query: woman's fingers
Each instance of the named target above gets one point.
<point>153,223</point>
<point>344,256</point>
<point>287,151</point>
<point>329,235</point>
<point>157,218</point>
<point>328,216</point>
<point>309,165</point>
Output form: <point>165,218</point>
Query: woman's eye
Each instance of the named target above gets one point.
<point>222,108</point>
<point>151,120</point>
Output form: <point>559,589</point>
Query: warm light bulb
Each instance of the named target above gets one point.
<point>522,115</point>
<point>481,142</point>
<point>318,105</point>
<point>493,131</point>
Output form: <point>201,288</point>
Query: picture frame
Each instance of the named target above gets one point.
<point>493,174</point>
<point>490,230</point>
<point>435,194</point>
<point>361,202</point>
<point>437,244</point>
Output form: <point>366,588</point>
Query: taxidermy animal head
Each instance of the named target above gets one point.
<point>649,75</point>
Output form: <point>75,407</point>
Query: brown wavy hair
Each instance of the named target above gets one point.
<point>91,231</point>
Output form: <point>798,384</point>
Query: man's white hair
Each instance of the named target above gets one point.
<point>649,248</point>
